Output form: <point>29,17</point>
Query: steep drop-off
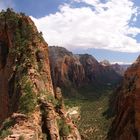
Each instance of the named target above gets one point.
<point>71,72</point>
<point>29,108</point>
<point>126,105</point>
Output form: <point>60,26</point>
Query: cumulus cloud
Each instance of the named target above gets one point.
<point>95,25</point>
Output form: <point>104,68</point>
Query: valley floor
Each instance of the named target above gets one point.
<point>93,124</point>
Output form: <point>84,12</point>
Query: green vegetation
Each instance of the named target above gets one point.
<point>64,129</point>
<point>14,21</point>
<point>95,91</point>
<point>93,125</point>
<point>23,31</point>
<point>51,99</point>
<point>7,124</point>
<point>4,132</point>
<point>21,39</point>
<point>28,100</point>
<point>91,91</point>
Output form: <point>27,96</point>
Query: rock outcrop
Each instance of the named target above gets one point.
<point>126,105</point>
<point>70,71</point>
<point>118,68</point>
<point>66,68</point>
<point>29,107</point>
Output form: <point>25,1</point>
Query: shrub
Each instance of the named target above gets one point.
<point>7,124</point>
<point>28,100</point>
<point>64,129</point>
<point>53,100</point>
<point>5,133</point>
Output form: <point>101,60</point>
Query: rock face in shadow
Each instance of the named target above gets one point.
<point>30,109</point>
<point>71,71</point>
<point>126,125</point>
<point>66,68</point>
<point>118,68</point>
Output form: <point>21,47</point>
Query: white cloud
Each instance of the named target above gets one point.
<point>100,25</point>
<point>120,63</point>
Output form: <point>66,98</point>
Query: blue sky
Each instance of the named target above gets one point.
<point>108,29</point>
<point>113,56</point>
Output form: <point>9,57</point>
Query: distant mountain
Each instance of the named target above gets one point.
<point>70,71</point>
<point>105,63</point>
<point>126,106</point>
<point>119,68</point>
<point>112,56</point>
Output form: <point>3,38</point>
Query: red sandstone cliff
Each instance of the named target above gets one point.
<point>74,71</point>
<point>29,108</point>
<point>126,125</point>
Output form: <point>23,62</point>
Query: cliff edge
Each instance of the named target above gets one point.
<point>29,107</point>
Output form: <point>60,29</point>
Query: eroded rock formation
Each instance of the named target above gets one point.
<point>126,105</point>
<point>29,107</point>
<point>119,68</point>
<point>71,71</point>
